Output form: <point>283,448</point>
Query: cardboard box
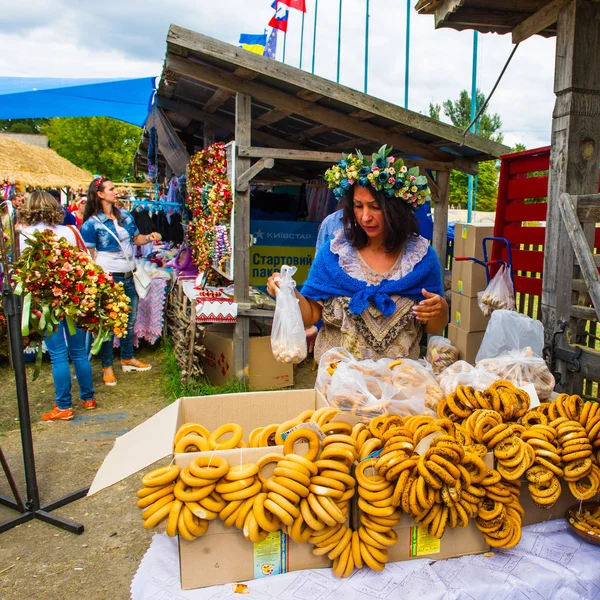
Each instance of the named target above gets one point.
<point>415,542</point>
<point>467,343</point>
<point>222,555</point>
<point>535,514</point>
<point>466,314</point>
<point>265,371</point>
<point>468,278</point>
<point>468,239</point>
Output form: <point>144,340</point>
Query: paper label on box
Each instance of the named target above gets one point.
<point>464,232</point>
<point>460,286</point>
<point>457,317</point>
<point>270,555</point>
<point>421,543</point>
<point>534,400</point>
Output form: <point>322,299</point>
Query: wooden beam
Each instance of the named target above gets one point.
<point>583,252</point>
<point>243,181</point>
<point>440,221</point>
<point>309,96</point>
<point>539,21</point>
<point>308,133</point>
<point>208,135</point>
<point>317,86</point>
<point>241,235</point>
<point>316,112</point>
<point>284,154</point>
<point>222,123</point>
<point>269,118</point>
<point>574,162</point>
<point>588,208</point>
<point>216,100</point>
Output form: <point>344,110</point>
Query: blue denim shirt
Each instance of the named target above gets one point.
<point>95,235</point>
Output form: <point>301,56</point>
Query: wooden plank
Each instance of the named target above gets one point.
<point>309,96</point>
<point>528,187</point>
<point>309,83</point>
<point>293,104</point>
<point>284,154</point>
<point>440,222</point>
<point>208,135</point>
<point>518,211</point>
<point>525,235</point>
<point>525,260</point>
<point>243,181</point>
<point>574,158</point>
<point>216,100</point>
<point>223,123</point>
<point>588,208</point>
<point>308,133</point>
<point>584,312</point>
<point>529,164</point>
<point>539,21</point>
<point>241,234</point>
<point>269,118</point>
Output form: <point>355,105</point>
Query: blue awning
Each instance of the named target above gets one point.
<point>128,100</point>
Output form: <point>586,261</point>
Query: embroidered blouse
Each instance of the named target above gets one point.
<point>371,335</point>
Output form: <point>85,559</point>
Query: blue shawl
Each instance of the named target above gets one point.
<point>327,279</point>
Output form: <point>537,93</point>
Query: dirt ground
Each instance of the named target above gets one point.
<point>38,561</point>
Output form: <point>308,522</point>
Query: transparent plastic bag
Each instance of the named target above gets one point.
<point>327,366</point>
<point>359,389</point>
<point>410,374</point>
<point>509,330</point>
<point>440,353</point>
<point>462,373</point>
<point>522,367</point>
<point>288,339</point>
<point>499,294</point>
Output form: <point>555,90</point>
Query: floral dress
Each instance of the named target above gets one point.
<point>372,335</point>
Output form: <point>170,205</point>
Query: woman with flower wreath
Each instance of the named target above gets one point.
<point>41,212</point>
<point>377,285</point>
<point>111,233</point>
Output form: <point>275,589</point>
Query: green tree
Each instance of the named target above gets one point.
<point>99,144</point>
<point>23,125</point>
<point>488,126</point>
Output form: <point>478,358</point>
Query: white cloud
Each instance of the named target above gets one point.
<point>119,38</point>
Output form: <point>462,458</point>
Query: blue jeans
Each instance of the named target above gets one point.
<point>126,343</point>
<point>62,346</point>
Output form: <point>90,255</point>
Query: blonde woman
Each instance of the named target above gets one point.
<point>41,212</point>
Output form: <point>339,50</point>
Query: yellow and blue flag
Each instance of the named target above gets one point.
<point>253,43</point>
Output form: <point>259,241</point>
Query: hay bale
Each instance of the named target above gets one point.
<point>38,167</point>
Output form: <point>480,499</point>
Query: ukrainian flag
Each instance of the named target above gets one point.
<point>253,43</point>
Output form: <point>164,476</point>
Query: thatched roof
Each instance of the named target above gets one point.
<point>38,167</point>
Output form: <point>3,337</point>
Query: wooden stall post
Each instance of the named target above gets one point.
<point>574,160</point>
<point>440,221</point>
<point>241,224</point>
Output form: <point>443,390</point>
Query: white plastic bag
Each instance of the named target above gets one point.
<point>288,340</point>
<point>410,374</point>
<point>327,366</point>
<point>360,389</point>
<point>522,367</point>
<point>499,294</point>
<point>462,373</point>
<point>509,330</point>
<point>440,353</point>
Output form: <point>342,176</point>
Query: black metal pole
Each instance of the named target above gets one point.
<point>12,309</point>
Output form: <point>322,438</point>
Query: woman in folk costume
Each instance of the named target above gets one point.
<point>377,285</point>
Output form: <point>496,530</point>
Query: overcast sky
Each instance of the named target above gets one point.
<point>126,38</point>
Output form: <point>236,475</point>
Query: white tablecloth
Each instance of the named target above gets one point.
<point>549,563</point>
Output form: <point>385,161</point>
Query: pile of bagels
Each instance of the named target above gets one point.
<point>342,486</point>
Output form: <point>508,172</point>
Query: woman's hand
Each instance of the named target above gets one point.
<point>432,308</point>
<point>273,284</point>
<point>154,237</point>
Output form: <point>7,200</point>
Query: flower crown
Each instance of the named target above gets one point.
<point>384,173</point>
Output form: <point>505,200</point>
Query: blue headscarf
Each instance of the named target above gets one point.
<point>327,280</point>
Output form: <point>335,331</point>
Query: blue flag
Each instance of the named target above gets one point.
<point>271,47</point>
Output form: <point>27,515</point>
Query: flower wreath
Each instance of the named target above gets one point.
<point>384,172</point>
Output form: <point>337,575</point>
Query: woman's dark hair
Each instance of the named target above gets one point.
<point>398,216</point>
<point>93,206</point>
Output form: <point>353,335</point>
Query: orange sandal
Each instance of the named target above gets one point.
<point>133,364</point>
<point>108,376</point>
